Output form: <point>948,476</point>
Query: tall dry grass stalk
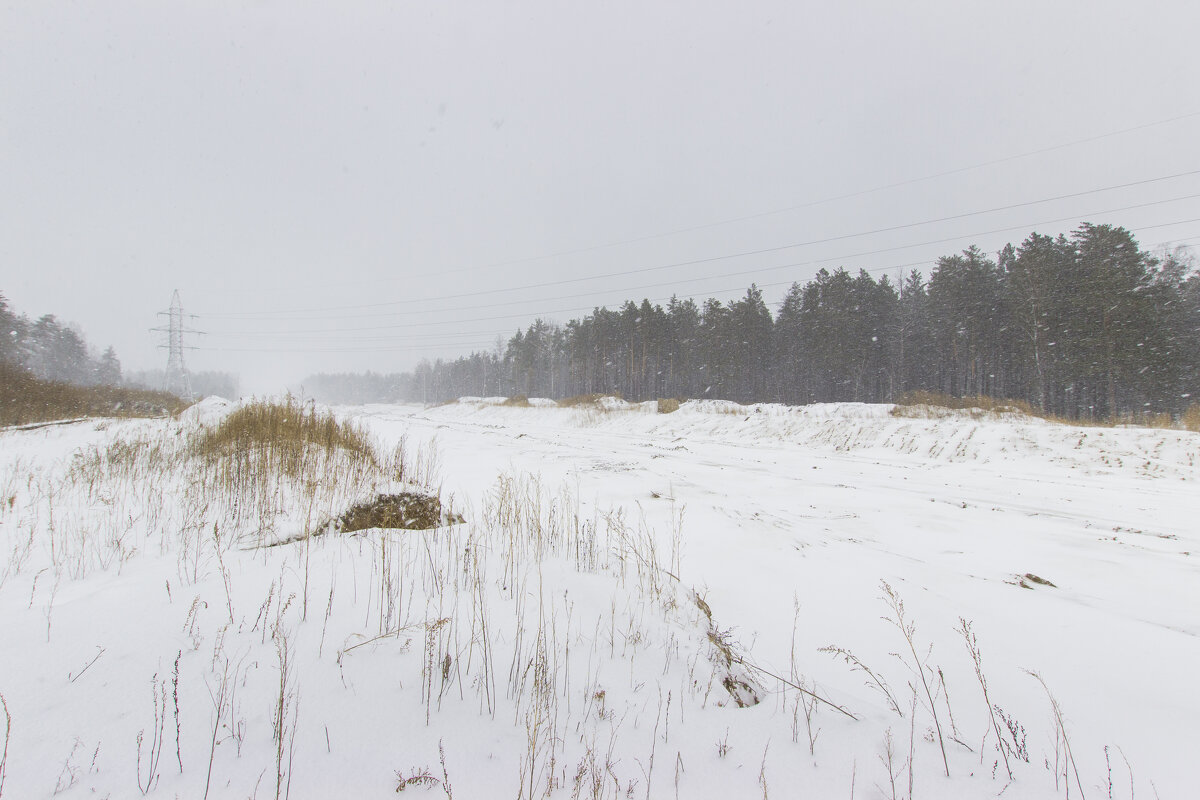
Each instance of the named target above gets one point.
<point>7,738</point>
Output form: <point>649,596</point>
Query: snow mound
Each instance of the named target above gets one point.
<point>209,411</point>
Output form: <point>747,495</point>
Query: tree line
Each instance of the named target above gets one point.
<point>51,351</point>
<point>48,350</point>
<point>1080,325</point>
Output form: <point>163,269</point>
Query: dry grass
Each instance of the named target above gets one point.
<point>267,460</point>
<point>582,400</point>
<point>667,405</point>
<point>909,404</point>
<point>517,401</point>
<point>25,399</point>
<point>284,434</point>
<point>927,405</point>
<point>1156,420</point>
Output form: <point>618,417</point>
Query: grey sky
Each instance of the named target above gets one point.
<point>267,157</point>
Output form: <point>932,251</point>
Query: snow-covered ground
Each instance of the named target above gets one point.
<point>624,581</point>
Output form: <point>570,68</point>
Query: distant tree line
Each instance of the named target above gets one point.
<point>48,350</point>
<point>203,383</point>
<point>1084,325</point>
<point>51,351</point>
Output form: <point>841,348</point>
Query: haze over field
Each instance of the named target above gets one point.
<point>318,181</point>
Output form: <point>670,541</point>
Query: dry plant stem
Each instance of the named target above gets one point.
<point>912,739</point>
<point>218,547</point>
<point>156,740</point>
<point>1108,767</point>
<point>222,708</point>
<point>654,743</point>
<point>445,773</point>
<point>1128,767</point>
<point>175,692</point>
<point>7,738</point>
<point>762,773</point>
<point>72,677</point>
<point>945,692</point>
<point>972,643</point>
<point>877,682</point>
<point>285,712</point>
<point>1060,723</point>
<point>888,759</point>
<point>815,697</point>
<point>908,630</point>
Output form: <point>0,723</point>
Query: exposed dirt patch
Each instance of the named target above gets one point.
<point>1029,578</point>
<point>408,510</point>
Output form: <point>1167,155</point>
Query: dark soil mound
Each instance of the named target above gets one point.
<point>408,510</point>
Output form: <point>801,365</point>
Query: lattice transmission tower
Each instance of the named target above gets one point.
<point>176,381</point>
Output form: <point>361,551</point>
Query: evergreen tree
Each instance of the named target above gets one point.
<point>108,370</point>
<point>912,345</point>
<point>716,362</point>
<point>12,329</point>
<point>750,347</point>
<point>1039,309</point>
<point>966,322</point>
<point>1112,317</point>
<point>683,339</point>
<point>791,370</point>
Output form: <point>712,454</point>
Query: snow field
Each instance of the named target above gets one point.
<point>529,647</point>
<point>622,580</point>
<point>813,507</point>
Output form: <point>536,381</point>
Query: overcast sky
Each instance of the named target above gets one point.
<point>353,185</point>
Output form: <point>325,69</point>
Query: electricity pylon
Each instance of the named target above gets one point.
<point>176,381</point>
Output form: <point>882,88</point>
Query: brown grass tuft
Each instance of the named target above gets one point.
<point>1191,418</point>
<point>667,405</point>
<point>285,434</point>
<point>517,401</point>
<point>1157,420</point>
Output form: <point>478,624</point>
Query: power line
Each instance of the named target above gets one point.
<point>527,314</point>
<point>758,251</point>
<point>441,345</point>
<point>396,349</point>
<point>757,270</point>
<point>813,203</point>
<point>847,196</point>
